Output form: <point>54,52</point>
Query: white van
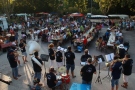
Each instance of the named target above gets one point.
<point>3,23</point>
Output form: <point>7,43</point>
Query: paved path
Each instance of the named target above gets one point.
<point>26,70</point>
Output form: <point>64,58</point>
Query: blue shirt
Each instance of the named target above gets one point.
<point>116,70</point>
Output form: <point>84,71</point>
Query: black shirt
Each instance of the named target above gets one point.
<point>122,53</point>
<point>50,80</point>
<point>87,72</point>
<point>51,54</point>
<point>127,67</point>
<point>116,70</point>
<point>70,56</point>
<point>36,67</point>
<point>85,57</point>
<point>12,62</point>
<point>22,49</point>
<point>58,56</point>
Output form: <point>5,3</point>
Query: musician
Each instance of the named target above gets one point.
<point>127,65</point>
<point>36,67</point>
<point>51,79</point>
<point>52,55</point>
<point>85,56</point>
<point>87,72</point>
<point>59,57</point>
<point>23,50</point>
<point>70,57</point>
<point>13,64</point>
<point>116,68</point>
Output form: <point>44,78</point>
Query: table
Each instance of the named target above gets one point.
<point>111,40</point>
<point>77,86</point>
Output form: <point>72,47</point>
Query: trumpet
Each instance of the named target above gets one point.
<point>108,64</point>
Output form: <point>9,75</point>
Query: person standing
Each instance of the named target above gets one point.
<point>52,55</point>
<point>59,57</point>
<point>127,65</point>
<point>23,50</point>
<point>87,72</point>
<point>116,68</point>
<point>13,64</point>
<point>85,56</point>
<point>36,67</point>
<point>70,57</point>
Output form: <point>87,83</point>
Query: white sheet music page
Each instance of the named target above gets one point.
<point>99,60</point>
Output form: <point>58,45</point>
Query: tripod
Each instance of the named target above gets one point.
<point>108,75</point>
<point>98,78</point>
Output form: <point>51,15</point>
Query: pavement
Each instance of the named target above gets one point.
<point>26,69</point>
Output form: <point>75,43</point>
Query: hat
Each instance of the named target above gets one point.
<point>11,50</point>
<point>108,29</point>
<point>58,48</point>
<point>121,46</point>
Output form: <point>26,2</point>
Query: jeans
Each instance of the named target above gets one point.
<point>87,82</point>
<point>15,72</point>
<point>37,75</point>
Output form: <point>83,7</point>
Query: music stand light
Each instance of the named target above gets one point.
<point>100,59</point>
<point>44,58</point>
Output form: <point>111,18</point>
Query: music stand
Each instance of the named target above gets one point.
<point>108,75</point>
<point>100,59</point>
<point>111,56</point>
<point>44,58</point>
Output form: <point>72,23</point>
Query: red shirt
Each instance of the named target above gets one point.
<point>85,41</point>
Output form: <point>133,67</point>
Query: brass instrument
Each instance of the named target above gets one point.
<point>108,64</point>
<point>95,61</point>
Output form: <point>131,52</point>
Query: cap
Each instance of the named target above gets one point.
<point>121,46</point>
<point>11,50</point>
<point>58,48</point>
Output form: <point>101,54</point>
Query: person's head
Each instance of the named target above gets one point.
<point>21,40</point>
<point>51,45</point>
<point>36,54</point>
<point>89,60</point>
<point>127,56</point>
<point>69,48</point>
<point>11,51</point>
<point>36,81</point>
<point>86,51</point>
<point>51,70</point>
<point>115,58</point>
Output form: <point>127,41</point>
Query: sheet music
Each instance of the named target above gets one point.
<point>99,60</point>
<point>109,57</point>
<point>83,63</point>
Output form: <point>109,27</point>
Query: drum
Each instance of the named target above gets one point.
<point>58,77</point>
<point>65,78</point>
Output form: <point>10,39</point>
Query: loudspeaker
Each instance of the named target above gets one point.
<point>44,57</point>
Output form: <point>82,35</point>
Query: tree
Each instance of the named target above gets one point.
<point>7,7</point>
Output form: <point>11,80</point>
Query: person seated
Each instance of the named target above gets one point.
<point>85,56</point>
<point>36,85</point>
<point>85,42</point>
<point>52,82</point>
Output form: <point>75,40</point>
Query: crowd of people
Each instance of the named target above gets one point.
<point>59,30</point>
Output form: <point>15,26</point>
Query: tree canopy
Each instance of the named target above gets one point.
<point>64,6</point>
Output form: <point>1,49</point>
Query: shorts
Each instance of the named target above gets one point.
<point>59,64</point>
<point>24,54</point>
<point>114,82</point>
<point>68,66</point>
<point>58,83</point>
